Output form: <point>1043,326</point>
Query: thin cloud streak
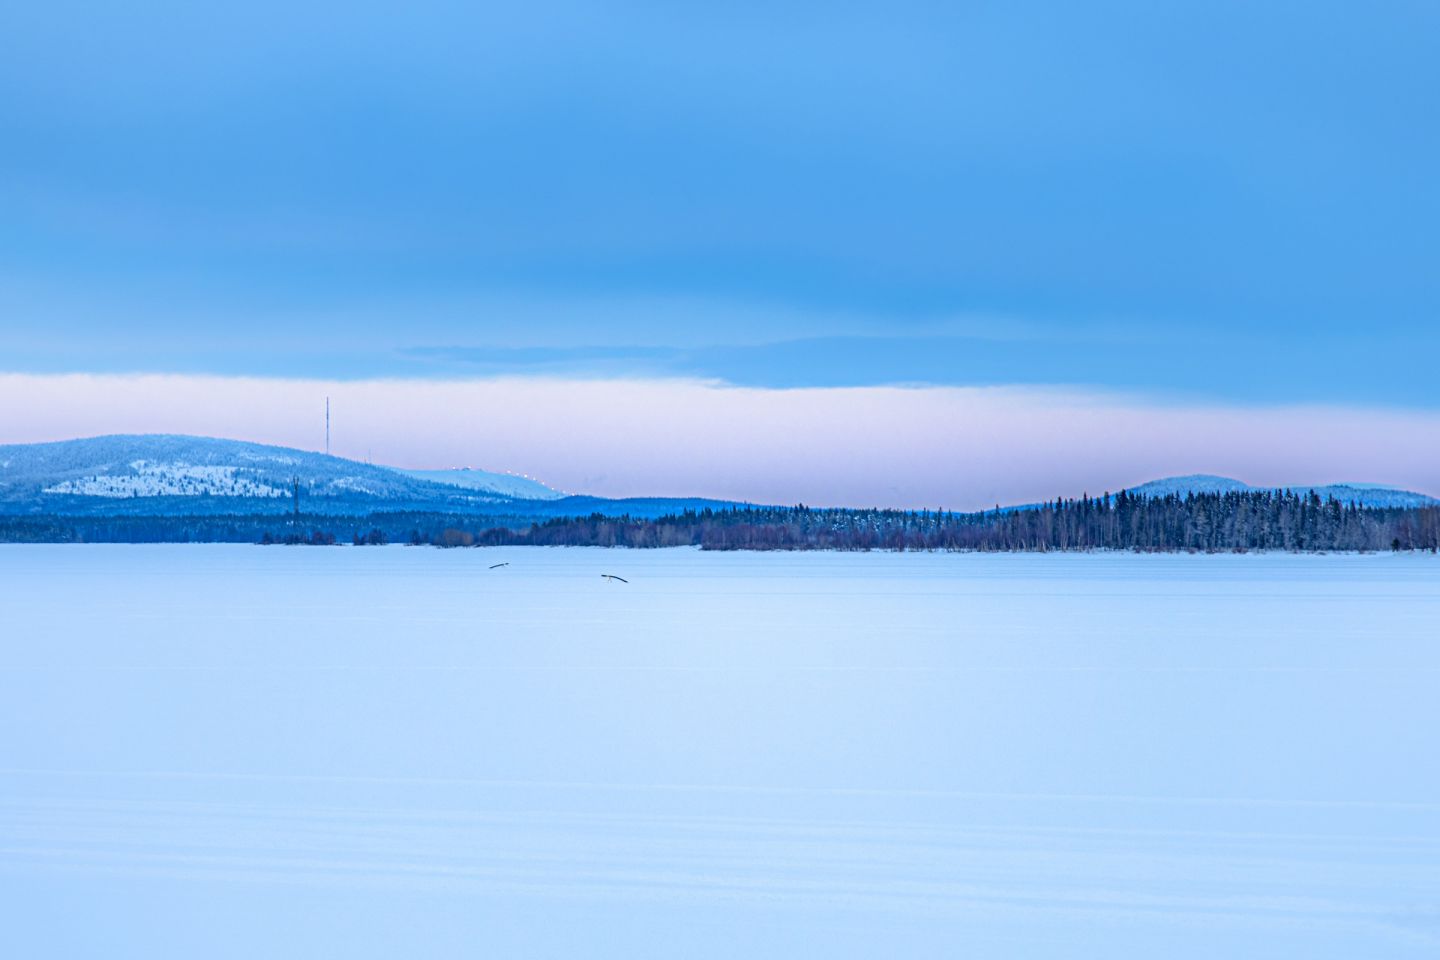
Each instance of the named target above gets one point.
<point>956,447</point>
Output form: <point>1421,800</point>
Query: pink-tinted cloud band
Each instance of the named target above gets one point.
<point>961,448</point>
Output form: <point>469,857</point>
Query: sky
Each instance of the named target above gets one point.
<point>847,220</point>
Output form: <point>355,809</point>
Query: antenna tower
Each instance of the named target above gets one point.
<point>327,426</point>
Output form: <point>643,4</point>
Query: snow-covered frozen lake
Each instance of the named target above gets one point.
<point>230,751</point>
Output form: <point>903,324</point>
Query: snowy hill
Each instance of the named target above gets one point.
<point>171,474</point>
<point>1196,483</point>
<point>1365,494</point>
<point>165,475</point>
<point>500,484</point>
<point>155,475</point>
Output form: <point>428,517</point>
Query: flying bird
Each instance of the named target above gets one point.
<point>495,566</point>
<point>611,576</point>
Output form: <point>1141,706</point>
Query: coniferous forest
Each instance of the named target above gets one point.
<point>1200,522</point>
<point>1207,522</point>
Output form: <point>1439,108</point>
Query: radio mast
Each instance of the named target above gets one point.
<point>327,426</point>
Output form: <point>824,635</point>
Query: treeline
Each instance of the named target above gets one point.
<point>1241,521</point>
<point>216,528</point>
<point>1212,522</point>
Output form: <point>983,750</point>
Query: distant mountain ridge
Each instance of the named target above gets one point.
<point>500,484</point>
<point>1365,494</point>
<point>173,475</point>
<point>177,475</point>
<point>157,472</point>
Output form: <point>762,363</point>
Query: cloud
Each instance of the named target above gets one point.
<point>122,328</point>
<point>957,447</point>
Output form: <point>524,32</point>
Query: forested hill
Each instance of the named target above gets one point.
<point>1230,521</point>
<point>1234,521</point>
<point>160,475</point>
<point>1364,494</point>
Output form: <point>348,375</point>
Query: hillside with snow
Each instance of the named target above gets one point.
<point>168,474</point>
<point>499,484</point>
<point>176,476</point>
<point>1364,494</point>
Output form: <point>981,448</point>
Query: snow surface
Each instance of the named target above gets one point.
<point>230,751</point>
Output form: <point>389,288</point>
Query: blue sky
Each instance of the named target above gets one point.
<point>1212,203</point>
<point>1229,199</point>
